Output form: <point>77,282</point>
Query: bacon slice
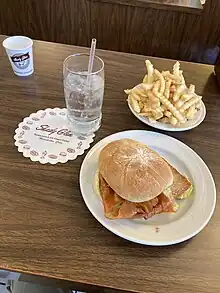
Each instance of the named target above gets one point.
<point>116,207</point>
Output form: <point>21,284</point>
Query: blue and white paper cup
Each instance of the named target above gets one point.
<point>20,54</point>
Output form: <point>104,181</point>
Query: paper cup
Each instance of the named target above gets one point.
<point>20,54</point>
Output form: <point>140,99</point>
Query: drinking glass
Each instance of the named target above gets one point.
<point>83,93</point>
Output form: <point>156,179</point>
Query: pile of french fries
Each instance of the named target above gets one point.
<point>164,96</point>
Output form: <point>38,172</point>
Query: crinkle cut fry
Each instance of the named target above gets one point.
<point>164,96</point>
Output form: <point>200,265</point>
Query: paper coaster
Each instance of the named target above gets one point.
<point>46,137</point>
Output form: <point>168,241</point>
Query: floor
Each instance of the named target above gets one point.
<point>23,287</point>
<point>9,284</point>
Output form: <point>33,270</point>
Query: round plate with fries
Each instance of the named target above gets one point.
<point>190,124</point>
<point>164,101</point>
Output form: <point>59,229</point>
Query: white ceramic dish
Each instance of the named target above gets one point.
<point>165,229</point>
<point>190,124</point>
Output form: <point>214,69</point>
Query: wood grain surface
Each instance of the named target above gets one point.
<point>160,33</point>
<point>45,227</point>
<point>133,26</point>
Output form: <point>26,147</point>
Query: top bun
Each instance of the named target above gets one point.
<point>133,171</point>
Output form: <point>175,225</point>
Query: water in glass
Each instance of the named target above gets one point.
<point>84,98</point>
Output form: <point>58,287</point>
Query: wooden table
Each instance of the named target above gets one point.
<point>45,227</point>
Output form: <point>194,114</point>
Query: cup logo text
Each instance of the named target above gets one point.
<point>21,61</point>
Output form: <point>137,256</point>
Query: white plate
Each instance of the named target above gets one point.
<point>190,124</point>
<point>165,229</point>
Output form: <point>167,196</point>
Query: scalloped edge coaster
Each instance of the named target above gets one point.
<point>46,137</point>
